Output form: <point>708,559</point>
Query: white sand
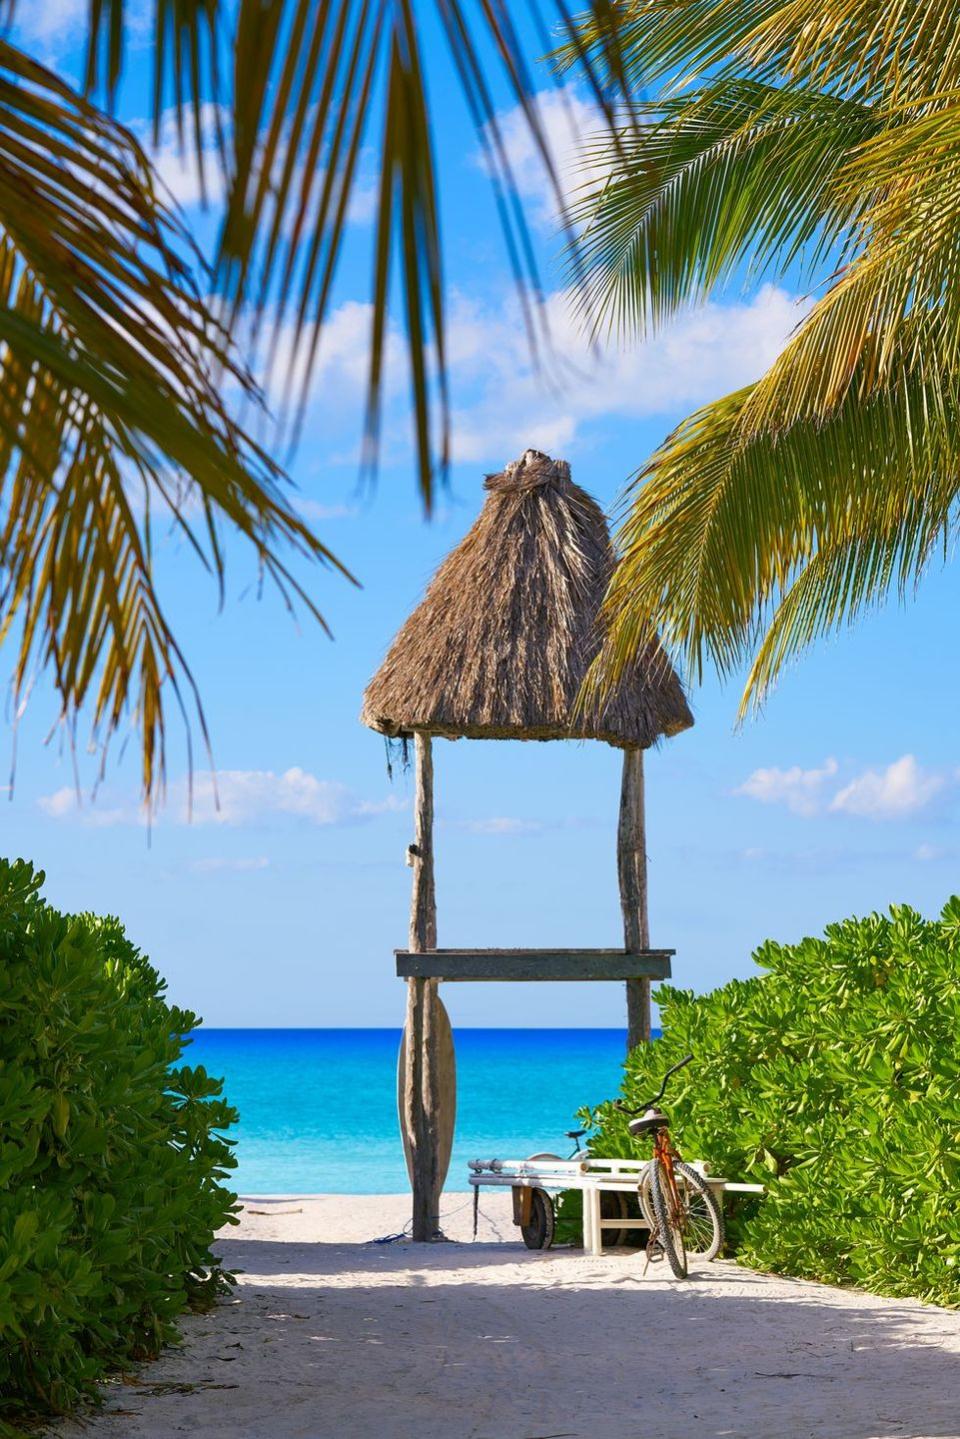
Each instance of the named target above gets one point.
<point>329,1335</point>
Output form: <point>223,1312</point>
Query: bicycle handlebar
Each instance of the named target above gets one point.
<point>619,1104</point>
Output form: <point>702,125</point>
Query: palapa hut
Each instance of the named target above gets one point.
<point>498,649</point>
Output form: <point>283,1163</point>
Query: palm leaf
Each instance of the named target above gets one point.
<point>113,378</point>
<point>311,81</point>
<point>117,382</point>
<point>857,48</point>
<point>788,134</point>
<point>829,155</point>
<point>900,297</point>
<point>742,547</point>
<point>737,172</point>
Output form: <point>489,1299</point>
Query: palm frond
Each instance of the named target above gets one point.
<point>311,80</point>
<point>870,181</point>
<point>900,296</point>
<point>864,51</point>
<point>737,172</point>
<point>898,52</point>
<point>785,510</point>
<point>115,389</point>
<point>658,41</point>
<point>742,547</point>
<point>308,80</point>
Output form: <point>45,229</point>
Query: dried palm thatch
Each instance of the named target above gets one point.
<point>501,642</point>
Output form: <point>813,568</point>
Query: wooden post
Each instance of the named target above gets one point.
<point>423,905</point>
<point>421,1100</point>
<point>632,872</point>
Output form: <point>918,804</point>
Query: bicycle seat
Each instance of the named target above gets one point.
<point>646,1123</point>
<point>575,1133</point>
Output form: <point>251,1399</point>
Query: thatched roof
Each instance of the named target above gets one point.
<point>504,636</point>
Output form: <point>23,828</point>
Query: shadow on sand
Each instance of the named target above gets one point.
<point>489,1341</point>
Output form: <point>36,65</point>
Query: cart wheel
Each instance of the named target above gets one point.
<point>613,1205</point>
<point>538,1231</point>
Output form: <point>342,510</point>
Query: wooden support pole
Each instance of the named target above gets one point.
<point>632,872</point>
<point>423,904</point>
<point>421,1097</point>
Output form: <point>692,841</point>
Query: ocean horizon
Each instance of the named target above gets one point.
<point>318,1107</point>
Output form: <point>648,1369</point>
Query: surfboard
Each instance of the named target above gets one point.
<point>447,1087</point>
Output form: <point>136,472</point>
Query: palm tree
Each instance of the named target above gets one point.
<point>819,137</point>
<point>119,373</point>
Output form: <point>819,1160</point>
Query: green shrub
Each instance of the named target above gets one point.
<point>109,1160</point>
<point>834,1079</point>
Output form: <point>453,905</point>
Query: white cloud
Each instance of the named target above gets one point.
<point>502,400</point>
<point>316,510</point>
<point>503,403</point>
<point>393,804</point>
<point>239,797</point>
<point>500,824</point>
<point>930,853</point>
<point>503,824</point>
<point>64,803</point>
<point>903,788</point>
<point>341,366</point>
<point>49,22</point>
<point>53,30</point>
<point>569,124</point>
<point>61,802</point>
<point>235,798</point>
<point>801,790</point>
<point>177,164</point>
<point>894,792</point>
<point>217,864</point>
<point>365,192</point>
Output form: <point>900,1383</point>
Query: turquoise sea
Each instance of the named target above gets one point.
<point>318,1106</point>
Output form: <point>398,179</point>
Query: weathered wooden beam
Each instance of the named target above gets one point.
<point>453,965</point>
<point>427,1080</point>
<point>522,1203</point>
<point>632,874</point>
<point>423,901</point>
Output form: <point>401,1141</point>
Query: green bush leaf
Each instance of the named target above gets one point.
<point>110,1190</point>
<point>833,1079</point>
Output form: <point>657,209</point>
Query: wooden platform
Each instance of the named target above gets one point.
<point>453,965</point>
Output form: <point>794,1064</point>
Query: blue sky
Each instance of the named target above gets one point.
<point>283,907</point>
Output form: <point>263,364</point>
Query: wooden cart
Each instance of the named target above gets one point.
<point>593,1177</point>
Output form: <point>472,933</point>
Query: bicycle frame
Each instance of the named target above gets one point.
<point>664,1154</point>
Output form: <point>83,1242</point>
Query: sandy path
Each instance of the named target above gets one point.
<point>489,1341</point>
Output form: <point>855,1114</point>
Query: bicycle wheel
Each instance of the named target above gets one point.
<point>668,1211</point>
<point>704,1231</point>
<point>538,1231</point>
<point>643,1197</point>
<point>703,1221</point>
